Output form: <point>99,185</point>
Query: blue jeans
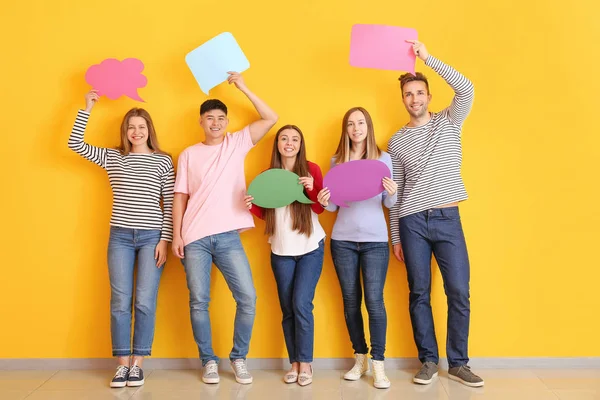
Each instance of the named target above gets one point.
<point>226,252</point>
<point>351,259</point>
<point>438,232</point>
<point>123,246</point>
<point>297,278</point>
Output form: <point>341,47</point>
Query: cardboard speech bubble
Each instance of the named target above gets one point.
<point>355,181</point>
<point>113,78</point>
<point>276,188</point>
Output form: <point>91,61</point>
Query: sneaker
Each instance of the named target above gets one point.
<point>428,371</point>
<point>135,377</point>
<point>211,372</point>
<point>241,372</point>
<point>464,375</point>
<point>380,379</point>
<point>120,378</point>
<point>361,365</point>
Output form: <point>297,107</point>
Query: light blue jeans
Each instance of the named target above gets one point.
<point>123,247</point>
<point>226,252</point>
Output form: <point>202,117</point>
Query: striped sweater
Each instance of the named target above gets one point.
<point>138,182</point>
<point>427,159</point>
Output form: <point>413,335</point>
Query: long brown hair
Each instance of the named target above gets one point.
<point>372,151</point>
<point>125,146</point>
<point>301,213</point>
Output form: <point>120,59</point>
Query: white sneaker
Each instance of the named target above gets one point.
<point>211,372</point>
<point>380,380</point>
<point>361,365</point>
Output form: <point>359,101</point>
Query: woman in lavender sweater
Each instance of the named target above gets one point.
<point>359,245</point>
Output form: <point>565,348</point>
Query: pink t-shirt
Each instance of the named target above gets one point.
<point>213,177</point>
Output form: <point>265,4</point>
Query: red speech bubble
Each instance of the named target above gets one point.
<point>113,78</point>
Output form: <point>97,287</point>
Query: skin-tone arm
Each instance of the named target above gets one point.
<point>179,205</point>
<point>268,117</point>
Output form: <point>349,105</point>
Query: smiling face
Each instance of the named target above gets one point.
<point>289,143</point>
<point>137,131</point>
<point>214,123</point>
<point>416,98</point>
<point>356,127</point>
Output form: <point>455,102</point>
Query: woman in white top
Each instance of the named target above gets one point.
<point>297,245</point>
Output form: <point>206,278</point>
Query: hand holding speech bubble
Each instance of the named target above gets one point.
<point>113,78</point>
<point>211,61</point>
<point>355,181</point>
<point>276,188</point>
<point>382,47</point>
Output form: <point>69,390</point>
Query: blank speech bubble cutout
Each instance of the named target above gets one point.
<point>382,47</point>
<point>211,61</point>
<point>276,188</point>
<point>113,78</point>
<point>355,181</point>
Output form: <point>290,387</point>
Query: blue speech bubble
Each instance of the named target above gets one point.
<point>210,62</point>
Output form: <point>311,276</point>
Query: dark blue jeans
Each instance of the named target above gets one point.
<point>297,278</point>
<point>371,259</point>
<point>438,232</point>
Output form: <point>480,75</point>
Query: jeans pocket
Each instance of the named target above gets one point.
<point>451,213</point>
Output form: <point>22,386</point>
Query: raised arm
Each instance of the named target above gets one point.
<point>268,117</point>
<point>94,154</point>
<point>464,92</point>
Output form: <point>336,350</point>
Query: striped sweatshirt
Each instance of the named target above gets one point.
<point>138,183</point>
<point>427,159</point>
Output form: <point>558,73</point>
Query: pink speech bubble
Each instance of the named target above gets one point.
<point>113,78</point>
<point>382,47</point>
<point>356,180</point>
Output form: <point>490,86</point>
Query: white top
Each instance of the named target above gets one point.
<point>288,242</point>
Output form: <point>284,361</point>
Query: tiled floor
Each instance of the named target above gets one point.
<point>507,384</point>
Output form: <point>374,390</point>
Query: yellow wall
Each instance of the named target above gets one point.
<point>530,162</point>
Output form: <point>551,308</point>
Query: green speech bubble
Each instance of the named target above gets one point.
<point>276,188</point>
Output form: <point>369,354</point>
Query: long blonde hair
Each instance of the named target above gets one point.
<point>372,151</point>
<point>125,146</point>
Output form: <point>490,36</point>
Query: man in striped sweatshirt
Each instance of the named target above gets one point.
<point>426,156</point>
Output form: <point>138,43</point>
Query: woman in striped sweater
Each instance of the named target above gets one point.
<point>140,175</point>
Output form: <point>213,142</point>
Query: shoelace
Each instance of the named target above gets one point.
<point>379,371</point>
<point>135,372</point>
<point>121,371</point>
<point>211,368</point>
<point>358,366</point>
<point>240,367</point>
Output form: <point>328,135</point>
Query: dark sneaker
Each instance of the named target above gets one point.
<point>135,377</point>
<point>428,371</point>
<point>464,375</point>
<point>120,378</point>
<point>241,372</point>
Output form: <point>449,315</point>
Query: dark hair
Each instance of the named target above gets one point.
<point>301,213</point>
<point>213,104</point>
<point>408,77</point>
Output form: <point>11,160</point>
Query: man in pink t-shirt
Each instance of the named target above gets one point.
<point>208,214</point>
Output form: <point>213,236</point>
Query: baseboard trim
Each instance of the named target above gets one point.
<point>280,363</point>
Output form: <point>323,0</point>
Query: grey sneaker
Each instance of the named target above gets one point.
<point>211,372</point>
<point>464,375</point>
<point>241,372</point>
<point>428,371</point>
